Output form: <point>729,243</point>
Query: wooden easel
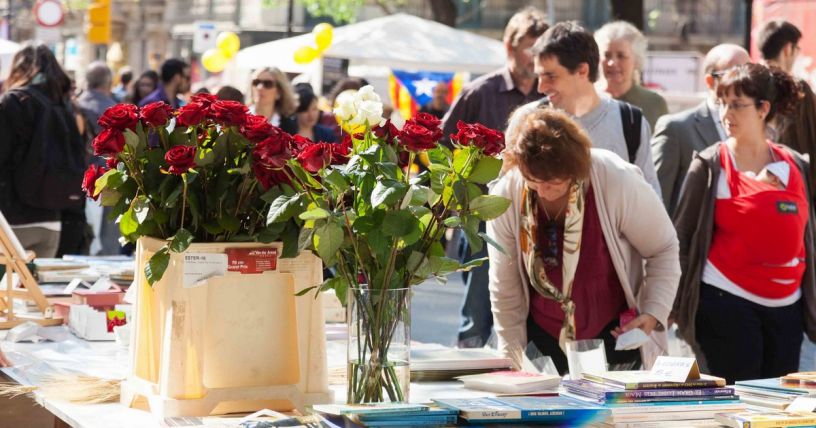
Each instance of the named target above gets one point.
<point>15,257</point>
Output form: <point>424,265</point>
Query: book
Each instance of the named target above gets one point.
<point>765,419</point>
<point>640,379</point>
<point>611,393</point>
<point>368,408</point>
<point>659,401</point>
<point>552,410</point>
<point>510,382</point>
<point>689,423</point>
<point>774,384</point>
<point>442,358</point>
<point>428,412</point>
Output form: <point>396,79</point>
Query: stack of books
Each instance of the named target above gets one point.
<point>525,410</point>
<point>774,393</point>
<point>513,382</point>
<point>636,399</point>
<point>438,363</point>
<point>766,419</point>
<point>389,414</point>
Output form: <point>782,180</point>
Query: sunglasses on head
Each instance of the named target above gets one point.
<point>267,84</point>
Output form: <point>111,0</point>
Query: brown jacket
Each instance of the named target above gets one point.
<point>694,221</point>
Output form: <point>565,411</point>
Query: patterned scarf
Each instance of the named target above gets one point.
<point>573,230</point>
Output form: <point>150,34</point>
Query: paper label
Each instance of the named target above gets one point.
<point>103,284</point>
<point>252,260</point>
<point>802,404</point>
<point>76,282</point>
<point>675,369</point>
<point>200,266</point>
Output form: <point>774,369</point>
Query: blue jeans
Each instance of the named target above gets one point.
<point>477,318</point>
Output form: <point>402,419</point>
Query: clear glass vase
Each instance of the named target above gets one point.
<point>379,345</point>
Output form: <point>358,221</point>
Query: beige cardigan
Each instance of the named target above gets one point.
<point>636,228</point>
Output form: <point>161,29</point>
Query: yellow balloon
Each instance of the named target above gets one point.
<point>228,43</point>
<point>323,34</point>
<point>213,60</point>
<point>305,55</point>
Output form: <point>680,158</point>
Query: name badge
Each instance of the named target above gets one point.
<point>787,207</point>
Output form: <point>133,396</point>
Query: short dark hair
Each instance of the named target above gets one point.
<point>526,22</point>
<point>230,93</point>
<point>762,83</point>
<point>551,145</point>
<point>305,97</point>
<point>125,75</point>
<point>572,44</point>
<point>774,35</point>
<point>170,68</point>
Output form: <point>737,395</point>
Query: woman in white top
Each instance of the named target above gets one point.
<point>273,98</point>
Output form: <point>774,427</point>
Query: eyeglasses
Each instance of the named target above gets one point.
<point>267,84</point>
<point>735,105</point>
<point>717,74</point>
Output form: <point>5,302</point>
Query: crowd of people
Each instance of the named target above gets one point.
<point>622,216</point>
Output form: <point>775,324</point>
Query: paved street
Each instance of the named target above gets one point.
<point>435,311</point>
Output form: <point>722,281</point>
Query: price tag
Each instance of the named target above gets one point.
<point>675,369</point>
<point>252,260</point>
<point>200,266</point>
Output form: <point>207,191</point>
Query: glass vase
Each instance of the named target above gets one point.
<point>379,345</point>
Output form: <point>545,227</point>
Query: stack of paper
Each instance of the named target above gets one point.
<point>511,382</point>
<point>442,363</point>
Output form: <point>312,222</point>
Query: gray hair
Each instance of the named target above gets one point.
<point>98,75</point>
<point>622,30</point>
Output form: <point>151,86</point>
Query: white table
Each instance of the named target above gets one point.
<point>108,360</point>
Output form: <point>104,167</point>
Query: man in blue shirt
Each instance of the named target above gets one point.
<point>175,80</point>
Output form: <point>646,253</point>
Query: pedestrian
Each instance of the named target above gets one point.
<point>307,115</point>
<point>121,90</point>
<point>438,105</point>
<point>623,55</point>
<point>42,155</point>
<point>274,98</point>
<point>230,93</point>
<point>745,225</point>
<point>489,100</point>
<point>586,244</point>
<point>678,136</point>
<point>175,81</point>
<point>144,85</point>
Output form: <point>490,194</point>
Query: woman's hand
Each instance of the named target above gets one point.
<point>4,362</point>
<point>645,322</point>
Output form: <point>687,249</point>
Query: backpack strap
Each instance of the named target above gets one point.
<point>543,103</point>
<point>631,119</point>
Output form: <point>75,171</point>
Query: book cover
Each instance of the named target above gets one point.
<point>765,419</point>
<point>612,393</point>
<point>433,412</point>
<point>525,409</point>
<point>353,409</point>
<point>510,382</point>
<point>641,379</point>
<point>775,384</point>
<point>656,401</point>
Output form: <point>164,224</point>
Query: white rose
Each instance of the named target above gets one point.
<point>366,93</point>
<point>370,112</point>
<point>345,110</point>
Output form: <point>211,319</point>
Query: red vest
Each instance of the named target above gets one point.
<point>760,229</point>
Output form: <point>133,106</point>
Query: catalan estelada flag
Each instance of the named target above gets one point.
<point>411,90</point>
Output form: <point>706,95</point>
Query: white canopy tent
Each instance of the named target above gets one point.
<point>398,41</point>
<point>7,51</point>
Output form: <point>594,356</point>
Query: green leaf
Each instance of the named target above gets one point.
<point>283,208</point>
<point>212,227</point>
<point>460,159</point>
<point>128,223</point>
<point>327,239</point>
<point>109,197</point>
<point>229,222</point>
<point>142,209</point>
<point>304,239</point>
<point>132,140</point>
<point>467,267</point>
<point>173,197</point>
<point>181,241</point>
<point>204,157</point>
<point>315,214</point>
<point>271,233</point>
<point>488,207</point>
<point>441,266</point>
<point>109,180</point>
<point>305,290</point>
<point>368,222</point>
<point>453,221</point>
<point>471,229</point>
<point>399,223</point>
<point>390,170</point>
<point>486,170</point>
<point>336,180</point>
<point>492,242</point>
<point>440,155</point>
<point>421,195</point>
<point>387,192</point>
<point>154,271</point>
<point>271,195</point>
<point>290,242</point>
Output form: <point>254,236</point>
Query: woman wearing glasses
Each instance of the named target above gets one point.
<point>744,222</point>
<point>274,99</point>
<point>579,228</point>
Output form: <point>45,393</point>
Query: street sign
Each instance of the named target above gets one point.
<point>674,71</point>
<point>48,13</point>
<point>204,36</point>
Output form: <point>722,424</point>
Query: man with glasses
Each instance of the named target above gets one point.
<point>677,136</point>
<point>175,80</point>
<point>489,100</point>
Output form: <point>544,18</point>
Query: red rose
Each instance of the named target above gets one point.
<point>429,122</point>
<point>156,114</point>
<point>192,114</point>
<point>274,151</point>
<point>416,137</point>
<point>315,157</point>
<point>269,177</point>
<point>341,151</point>
<point>120,116</point>
<point>89,181</point>
<point>387,131</point>
<point>228,113</point>
<point>109,142</point>
<point>489,140</point>
<point>205,99</point>
<point>256,128</point>
<point>180,159</point>
<point>112,162</point>
<point>299,144</point>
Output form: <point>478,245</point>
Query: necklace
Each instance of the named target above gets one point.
<point>557,215</point>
